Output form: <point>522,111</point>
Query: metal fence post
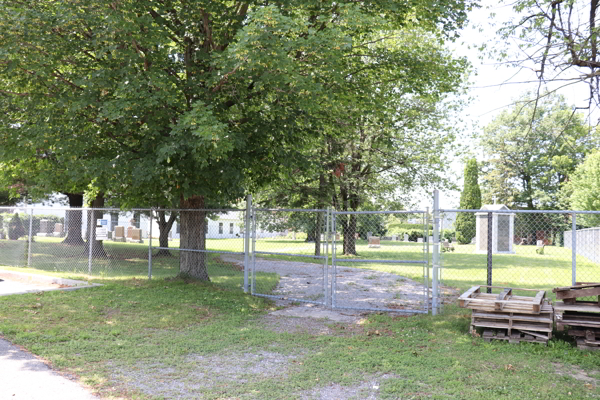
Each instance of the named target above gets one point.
<point>489,251</point>
<point>333,260</point>
<point>247,241</point>
<point>90,241</point>
<point>326,261</point>
<point>573,249</point>
<point>30,239</point>
<point>426,257</point>
<point>150,246</point>
<point>436,250</point>
<point>253,256</point>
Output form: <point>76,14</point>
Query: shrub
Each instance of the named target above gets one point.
<point>15,228</point>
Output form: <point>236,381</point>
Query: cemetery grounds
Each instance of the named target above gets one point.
<point>172,338</point>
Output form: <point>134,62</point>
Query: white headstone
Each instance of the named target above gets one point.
<point>540,243</point>
<point>393,238</point>
<point>419,240</point>
<point>406,237</point>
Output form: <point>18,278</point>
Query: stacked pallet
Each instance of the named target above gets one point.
<point>509,317</point>
<point>581,317</point>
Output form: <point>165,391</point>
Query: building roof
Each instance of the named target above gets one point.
<point>494,207</point>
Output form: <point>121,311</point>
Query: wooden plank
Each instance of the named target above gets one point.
<point>537,301</point>
<point>579,285</point>
<point>515,325</point>
<point>591,307</point>
<point>534,334</point>
<point>574,293</point>
<point>466,295</point>
<point>502,296</point>
<point>515,317</point>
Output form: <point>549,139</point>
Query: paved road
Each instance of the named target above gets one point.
<point>24,377</point>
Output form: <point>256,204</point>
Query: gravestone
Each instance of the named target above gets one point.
<point>119,234</point>
<point>58,230</point>
<point>419,240</point>
<point>394,238</point>
<point>430,239</point>
<point>369,234</point>
<point>374,241</point>
<point>46,228</point>
<point>406,237</point>
<point>540,243</point>
<point>134,235</point>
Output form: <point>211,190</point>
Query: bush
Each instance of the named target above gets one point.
<point>399,228</point>
<point>413,234</point>
<point>448,234</point>
<point>15,228</point>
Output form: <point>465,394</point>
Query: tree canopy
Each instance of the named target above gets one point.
<point>196,101</point>
<point>532,149</point>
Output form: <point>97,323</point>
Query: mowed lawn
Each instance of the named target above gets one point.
<point>462,268</point>
<point>174,338</point>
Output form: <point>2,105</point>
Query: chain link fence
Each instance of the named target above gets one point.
<point>519,248</point>
<point>111,243</point>
<point>373,260</point>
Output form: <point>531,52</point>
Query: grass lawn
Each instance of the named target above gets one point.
<point>141,339</point>
<point>461,268</point>
<point>168,338</point>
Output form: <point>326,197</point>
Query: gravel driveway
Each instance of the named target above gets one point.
<point>355,287</point>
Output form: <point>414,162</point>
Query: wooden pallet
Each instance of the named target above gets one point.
<point>539,326</point>
<point>581,314</point>
<point>585,345</point>
<point>514,337</point>
<point>569,294</point>
<point>505,301</point>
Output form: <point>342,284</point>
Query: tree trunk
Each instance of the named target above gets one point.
<point>349,236</point>
<point>164,227</point>
<point>74,220</point>
<point>193,264</point>
<point>98,247</point>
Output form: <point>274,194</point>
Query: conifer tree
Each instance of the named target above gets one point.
<point>470,199</point>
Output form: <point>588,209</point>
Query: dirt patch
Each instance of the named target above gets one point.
<point>368,389</point>
<point>575,373</point>
<point>199,373</point>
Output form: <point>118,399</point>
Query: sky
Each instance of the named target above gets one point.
<point>494,86</point>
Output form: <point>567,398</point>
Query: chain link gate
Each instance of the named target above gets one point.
<point>289,255</point>
<point>373,272</point>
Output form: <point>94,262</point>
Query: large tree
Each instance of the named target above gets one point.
<point>197,98</point>
<point>382,144</point>
<point>531,151</point>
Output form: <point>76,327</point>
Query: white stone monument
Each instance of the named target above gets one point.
<point>503,228</point>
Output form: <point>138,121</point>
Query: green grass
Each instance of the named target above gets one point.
<point>158,330</point>
<point>461,268</point>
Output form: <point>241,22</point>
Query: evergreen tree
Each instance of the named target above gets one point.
<point>15,228</point>
<point>470,199</point>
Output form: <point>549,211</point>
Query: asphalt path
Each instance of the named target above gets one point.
<point>25,377</point>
